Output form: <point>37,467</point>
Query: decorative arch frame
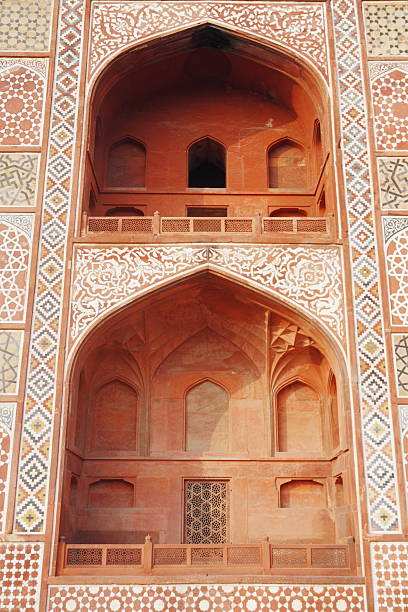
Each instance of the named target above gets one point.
<point>146,269</point>
<point>313,55</point>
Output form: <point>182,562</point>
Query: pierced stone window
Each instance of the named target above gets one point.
<point>206,511</point>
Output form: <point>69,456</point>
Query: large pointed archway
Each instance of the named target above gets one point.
<point>207,393</point>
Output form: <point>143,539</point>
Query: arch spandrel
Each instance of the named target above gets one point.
<point>299,30</point>
<point>303,278</point>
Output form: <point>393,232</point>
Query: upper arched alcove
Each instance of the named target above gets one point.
<point>204,85</point>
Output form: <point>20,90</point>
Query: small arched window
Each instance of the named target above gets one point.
<point>206,164</point>
<point>126,164</point>
<point>287,166</point>
<point>207,418</point>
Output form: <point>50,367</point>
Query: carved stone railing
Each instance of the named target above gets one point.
<point>147,228</point>
<point>149,558</point>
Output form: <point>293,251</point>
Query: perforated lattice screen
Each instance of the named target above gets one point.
<point>206,512</point>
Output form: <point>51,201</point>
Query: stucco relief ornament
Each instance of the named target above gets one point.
<point>308,278</point>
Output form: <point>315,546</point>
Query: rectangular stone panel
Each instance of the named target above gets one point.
<point>390,571</point>
<point>7,416</point>
<point>257,598</point>
<point>393,179</point>
<point>18,179</point>
<point>389,83</point>
<point>403,422</point>
<point>15,258</point>
<point>386,25</point>
<point>10,358</point>
<point>20,576</point>
<point>400,351</point>
<point>22,94</point>
<point>25,25</point>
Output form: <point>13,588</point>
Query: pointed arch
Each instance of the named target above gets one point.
<point>126,164</point>
<point>287,165</point>
<point>206,163</point>
<point>206,407</point>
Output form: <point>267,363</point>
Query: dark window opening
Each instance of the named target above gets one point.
<point>124,211</point>
<point>201,211</point>
<point>206,164</point>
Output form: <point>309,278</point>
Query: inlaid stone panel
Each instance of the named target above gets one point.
<point>22,92</point>
<point>20,576</point>
<point>15,255</point>
<point>7,414</point>
<point>25,25</point>
<point>214,598</point>
<point>386,25</point>
<point>18,179</point>
<point>10,356</point>
<point>403,421</point>
<point>390,574</point>
<point>389,93</point>
<point>393,178</point>
<point>400,350</point>
<point>396,249</point>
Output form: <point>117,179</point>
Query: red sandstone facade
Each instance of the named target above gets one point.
<point>203,321</point>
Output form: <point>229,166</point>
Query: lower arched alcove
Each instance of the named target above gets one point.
<point>207,414</point>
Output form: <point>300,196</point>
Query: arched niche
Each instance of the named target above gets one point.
<point>299,419</point>
<point>287,166</point>
<point>113,417</point>
<point>110,493</point>
<point>302,494</point>
<point>206,416</point>
<point>201,331</point>
<point>205,80</point>
<point>206,164</point>
<point>126,164</point>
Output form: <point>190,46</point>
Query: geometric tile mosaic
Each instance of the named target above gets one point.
<point>211,598</point>
<point>386,25</point>
<point>10,356</point>
<point>390,574</point>
<point>403,422</point>
<point>22,93</point>
<point>390,105</point>
<point>301,27</point>
<point>20,576</point>
<point>7,416</point>
<point>375,410</point>
<point>34,461</point>
<point>396,251</point>
<point>307,277</point>
<point>18,179</point>
<point>400,351</point>
<point>393,178</point>
<point>15,249</point>
<point>37,425</point>
<point>25,25</point>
